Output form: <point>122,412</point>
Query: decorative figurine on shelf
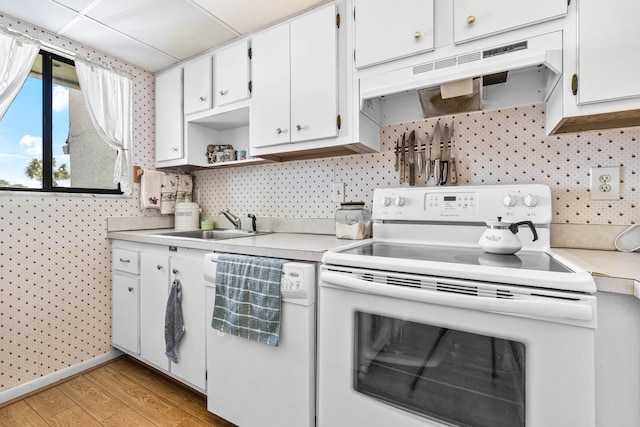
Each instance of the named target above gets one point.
<point>211,155</point>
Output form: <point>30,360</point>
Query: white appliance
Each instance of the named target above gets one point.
<point>254,384</point>
<point>420,327</point>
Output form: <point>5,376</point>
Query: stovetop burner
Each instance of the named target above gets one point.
<point>525,260</point>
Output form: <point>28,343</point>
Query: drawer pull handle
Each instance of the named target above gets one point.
<point>203,98</point>
<point>417,35</point>
<point>130,289</point>
<point>159,267</point>
<point>471,19</point>
<point>125,260</point>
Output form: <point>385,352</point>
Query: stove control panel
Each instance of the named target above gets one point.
<point>524,202</point>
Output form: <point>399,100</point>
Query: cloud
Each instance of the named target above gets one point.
<point>60,101</point>
<point>33,144</point>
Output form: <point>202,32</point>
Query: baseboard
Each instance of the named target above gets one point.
<point>47,380</point>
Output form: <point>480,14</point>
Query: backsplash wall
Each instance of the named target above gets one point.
<point>492,147</point>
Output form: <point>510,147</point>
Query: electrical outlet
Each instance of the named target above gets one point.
<point>605,183</point>
<point>338,192</point>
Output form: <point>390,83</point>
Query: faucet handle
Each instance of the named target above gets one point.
<point>253,222</point>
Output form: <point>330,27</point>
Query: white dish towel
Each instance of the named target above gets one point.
<point>150,189</point>
<point>168,193</point>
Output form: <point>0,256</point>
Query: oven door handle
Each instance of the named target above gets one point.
<point>543,307</point>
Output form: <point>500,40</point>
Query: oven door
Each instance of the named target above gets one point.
<point>409,350</point>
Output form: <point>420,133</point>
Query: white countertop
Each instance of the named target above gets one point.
<point>614,271</point>
<point>294,246</point>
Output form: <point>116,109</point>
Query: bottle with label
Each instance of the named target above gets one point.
<point>353,221</point>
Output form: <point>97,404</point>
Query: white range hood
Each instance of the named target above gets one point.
<point>532,68</point>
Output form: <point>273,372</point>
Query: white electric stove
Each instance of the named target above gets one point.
<point>419,326</point>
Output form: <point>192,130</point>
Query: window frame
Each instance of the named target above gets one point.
<point>47,135</point>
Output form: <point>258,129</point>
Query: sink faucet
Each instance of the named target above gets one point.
<point>231,217</point>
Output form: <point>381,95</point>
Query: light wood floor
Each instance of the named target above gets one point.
<point>121,393</point>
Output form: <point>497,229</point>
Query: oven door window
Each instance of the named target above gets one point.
<point>453,376</point>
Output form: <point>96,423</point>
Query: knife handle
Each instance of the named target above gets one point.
<point>401,171</point>
<point>444,171</point>
<point>452,172</point>
<point>412,175</point>
<point>436,171</point>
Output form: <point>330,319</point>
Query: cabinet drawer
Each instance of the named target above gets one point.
<point>127,261</point>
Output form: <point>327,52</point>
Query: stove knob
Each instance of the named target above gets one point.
<point>399,201</point>
<point>385,201</point>
<point>530,200</point>
<point>509,201</point>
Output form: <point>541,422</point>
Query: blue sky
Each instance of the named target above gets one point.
<point>21,131</point>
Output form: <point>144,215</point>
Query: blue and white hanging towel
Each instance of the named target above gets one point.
<point>247,302</point>
<point>173,323</point>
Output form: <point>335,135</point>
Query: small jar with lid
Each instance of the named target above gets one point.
<point>353,221</point>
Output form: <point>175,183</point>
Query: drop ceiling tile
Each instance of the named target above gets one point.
<point>45,14</point>
<point>249,15</point>
<point>76,5</point>
<point>91,33</point>
<point>176,27</point>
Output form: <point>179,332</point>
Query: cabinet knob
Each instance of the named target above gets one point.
<point>174,149</point>
<point>278,131</point>
<point>159,267</point>
<point>130,289</point>
<point>298,128</point>
<point>203,98</point>
<point>175,271</point>
<point>222,92</point>
<point>471,19</point>
<point>417,35</point>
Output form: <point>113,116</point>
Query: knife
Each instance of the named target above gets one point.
<point>444,162</point>
<point>402,160</point>
<point>427,155</point>
<point>397,154</point>
<point>452,161</point>
<point>435,154</point>
<point>412,158</point>
<point>419,154</point>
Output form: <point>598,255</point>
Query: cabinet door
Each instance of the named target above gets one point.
<point>270,101</point>
<point>125,326</point>
<point>231,71</point>
<point>388,30</point>
<point>191,349</point>
<point>198,83</point>
<point>608,34</point>
<point>169,116</point>
<point>154,287</point>
<point>314,80</point>
<point>474,19</point>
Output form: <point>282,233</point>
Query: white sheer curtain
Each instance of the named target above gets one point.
<point>108,96</point>
<point>17,53</point>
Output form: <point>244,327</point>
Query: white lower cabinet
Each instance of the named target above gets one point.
<point>160,266</point>
<point>125,300</point>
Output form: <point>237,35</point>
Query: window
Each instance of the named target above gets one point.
<point>47,139</point>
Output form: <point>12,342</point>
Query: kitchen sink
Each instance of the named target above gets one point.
<point>211,234</point>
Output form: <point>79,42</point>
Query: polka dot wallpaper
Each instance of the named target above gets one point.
<point>55,262</point>
<point>491,147</point>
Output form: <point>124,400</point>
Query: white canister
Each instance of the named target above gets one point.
<point>187,216</point>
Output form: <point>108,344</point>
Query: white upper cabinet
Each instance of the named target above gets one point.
<point>314,85</point>
<point>473,19</point>
<point>386,30</point>
<point>608,62</point>
<point>271,101</point>
<point>169,116</point>
<point>231,71</point>
<point>294,95</point>
<point>198,84</point>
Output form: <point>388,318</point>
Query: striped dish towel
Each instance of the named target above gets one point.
<point>247,302</point>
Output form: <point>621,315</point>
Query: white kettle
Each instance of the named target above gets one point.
<point>501,238</point>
